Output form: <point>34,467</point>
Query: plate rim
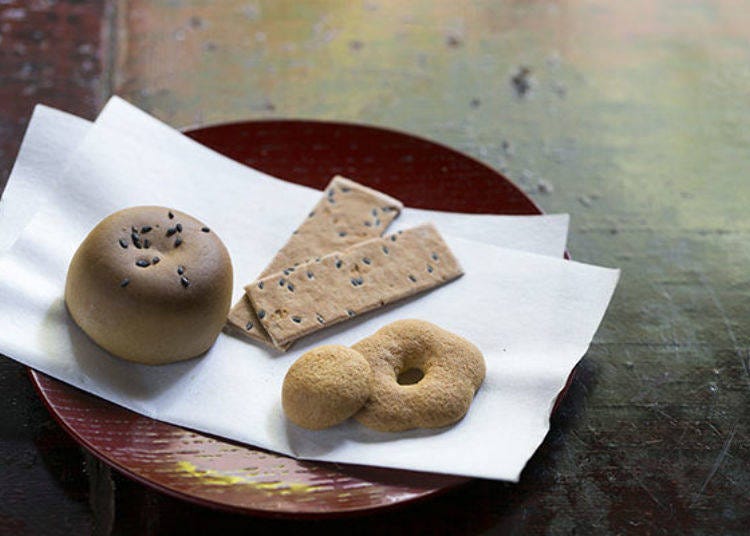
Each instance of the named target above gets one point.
<point>535,209</point>
<point>37,377</point>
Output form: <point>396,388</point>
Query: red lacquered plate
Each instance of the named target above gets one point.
<point>221,474</point>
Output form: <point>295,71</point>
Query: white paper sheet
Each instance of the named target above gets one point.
<point>51,137</point>
<point>533,316</point>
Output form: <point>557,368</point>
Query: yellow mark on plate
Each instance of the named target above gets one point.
<point>220,478</point>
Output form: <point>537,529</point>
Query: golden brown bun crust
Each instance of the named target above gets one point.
<point>150,314</point>
<point>325,386</point>
<point>453,371</point>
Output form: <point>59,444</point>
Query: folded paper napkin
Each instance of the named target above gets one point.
<point>531,313</point>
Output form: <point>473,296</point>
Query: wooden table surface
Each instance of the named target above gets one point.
<point>634,117</point>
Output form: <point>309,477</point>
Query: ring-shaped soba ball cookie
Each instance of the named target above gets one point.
<point>452,368</point>
<point>151,285</point>
<point>325,386</point>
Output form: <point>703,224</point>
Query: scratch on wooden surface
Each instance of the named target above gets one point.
<point>650,386</point>
<point>715,467</point>
<point>674,317</point>
<point>655,407</point>
<point>716,430</point>
<point>648,491</point>
<point>741,353</point>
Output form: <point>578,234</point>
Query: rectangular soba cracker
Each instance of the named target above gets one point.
<point>347,213</point>
<point>341,285</point>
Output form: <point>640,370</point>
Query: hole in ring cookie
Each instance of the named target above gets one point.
<point>410,376</point>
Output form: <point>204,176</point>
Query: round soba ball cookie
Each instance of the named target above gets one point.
<point>325,386</point>
<point>151,285</point>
